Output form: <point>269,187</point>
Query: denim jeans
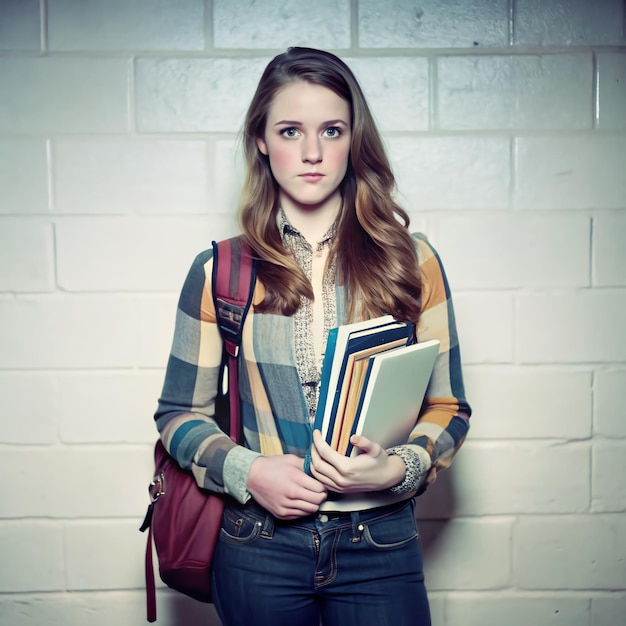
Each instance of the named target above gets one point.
<point>334,569</point>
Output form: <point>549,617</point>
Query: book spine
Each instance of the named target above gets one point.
<point>356,426</point>
<point>329,357</point>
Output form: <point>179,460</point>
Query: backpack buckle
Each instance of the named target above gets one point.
<point>230,315</point>
<point>157,487</point>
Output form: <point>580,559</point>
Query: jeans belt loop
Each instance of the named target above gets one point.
<point>357,527</point>
<point>267,532</point>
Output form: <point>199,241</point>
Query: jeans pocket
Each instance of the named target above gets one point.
<point>392,531</point>
<point>240,527</point>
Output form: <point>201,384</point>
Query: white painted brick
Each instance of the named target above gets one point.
<point>270,24</point>
<point>23,176</point>
<point>64,331</point>
<point>440,500</point>
<point>20,25</point>
<point>157,316</point>
<point>531,250</point>
<point>433,24</point>
<point>609,252</point>
<point>437,605</point>
<point>516,92</point>
<point>32,556</point>
<point>133,254</point>
<point>607,474</point>
<point>30,408</point>
<point>467,554</point>
<point>527,403</point>
<point>506,478</point>
<point>571,327</point>
<point>108,406</point>
<point>612,91</point>
<point>26,256</point>
<point>608,610</point>
<point>229,176</point>
<point>187,95</point>
<point>519,462</point>
<point>451,172</point>
<point>121,176</point>
<point>609,400</point>
<point>72,481</point>
<point>122,25</point>
<point>102,609</point>
<point>485,338</point>
<point>64,95</point>
<point>571,23</point>
<point>485,609</point>
<point>577,172</point>
<point>89,566</point>
<point>578,552</point>
<point>396,89</point>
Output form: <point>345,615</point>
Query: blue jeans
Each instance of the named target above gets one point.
<point>334,569</point>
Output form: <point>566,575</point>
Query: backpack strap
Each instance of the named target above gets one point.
<point>233,280</point>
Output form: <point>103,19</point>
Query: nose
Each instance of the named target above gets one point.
<point>311,150</point>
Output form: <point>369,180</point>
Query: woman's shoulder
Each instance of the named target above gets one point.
<point>425,250</point>
<point>201,267</point>
<point>203,257</point>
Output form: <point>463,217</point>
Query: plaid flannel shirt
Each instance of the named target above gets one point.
<point>274,411</point>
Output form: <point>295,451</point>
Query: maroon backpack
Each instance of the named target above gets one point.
<point>184,520</point>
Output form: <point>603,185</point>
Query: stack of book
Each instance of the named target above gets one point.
<point>373,383</point>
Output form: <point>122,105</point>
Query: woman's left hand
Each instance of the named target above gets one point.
<point>371,470</point>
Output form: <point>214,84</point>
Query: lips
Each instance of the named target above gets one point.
<point>311,177</point>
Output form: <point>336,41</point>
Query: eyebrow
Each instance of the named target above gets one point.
<point>297,123</point>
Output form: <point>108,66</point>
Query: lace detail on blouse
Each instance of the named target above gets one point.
<point>308,363</point>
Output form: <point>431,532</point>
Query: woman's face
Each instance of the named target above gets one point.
<point>307,140</point>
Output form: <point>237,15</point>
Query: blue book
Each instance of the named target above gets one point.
<point>343,342</point>
<point>393,391</point>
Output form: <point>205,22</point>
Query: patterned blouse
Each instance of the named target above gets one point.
<point>308,359</point>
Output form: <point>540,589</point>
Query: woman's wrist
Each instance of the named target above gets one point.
<point>413,473</point>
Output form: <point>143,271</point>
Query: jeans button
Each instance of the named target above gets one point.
<point>323,518</point>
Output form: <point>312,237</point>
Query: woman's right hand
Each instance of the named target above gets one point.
<point>279,485</point>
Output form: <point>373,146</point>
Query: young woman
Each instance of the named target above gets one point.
<point>334,542</point>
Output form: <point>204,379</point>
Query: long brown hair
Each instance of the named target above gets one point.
<point>375,253</point>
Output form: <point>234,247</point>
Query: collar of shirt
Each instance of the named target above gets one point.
<point>291,236</point>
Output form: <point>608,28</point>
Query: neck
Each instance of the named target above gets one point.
<point>312,222</point>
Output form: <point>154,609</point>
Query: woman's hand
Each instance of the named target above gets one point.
<point>372,470</point>
<point>279,485</point>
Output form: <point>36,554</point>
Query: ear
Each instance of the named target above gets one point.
<point>262,146</point>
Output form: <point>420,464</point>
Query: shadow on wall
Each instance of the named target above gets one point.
<point>434,510</point>
<point>175,609</point>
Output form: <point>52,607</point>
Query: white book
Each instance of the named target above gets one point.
<point>393,393</point>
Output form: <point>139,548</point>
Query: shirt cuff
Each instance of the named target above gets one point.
<point>425,460</point>
<point>235,473</point>
<point>417,462</point>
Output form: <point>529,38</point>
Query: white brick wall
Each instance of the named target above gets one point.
<point>506,124</point>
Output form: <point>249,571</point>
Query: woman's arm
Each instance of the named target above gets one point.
<point>443,423</point>
<point>185,416</point>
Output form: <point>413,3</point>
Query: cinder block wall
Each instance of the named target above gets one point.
<point>506,124</point>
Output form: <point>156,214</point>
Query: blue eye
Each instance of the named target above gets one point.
<point>289,132</point>
<point>332,132</point>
